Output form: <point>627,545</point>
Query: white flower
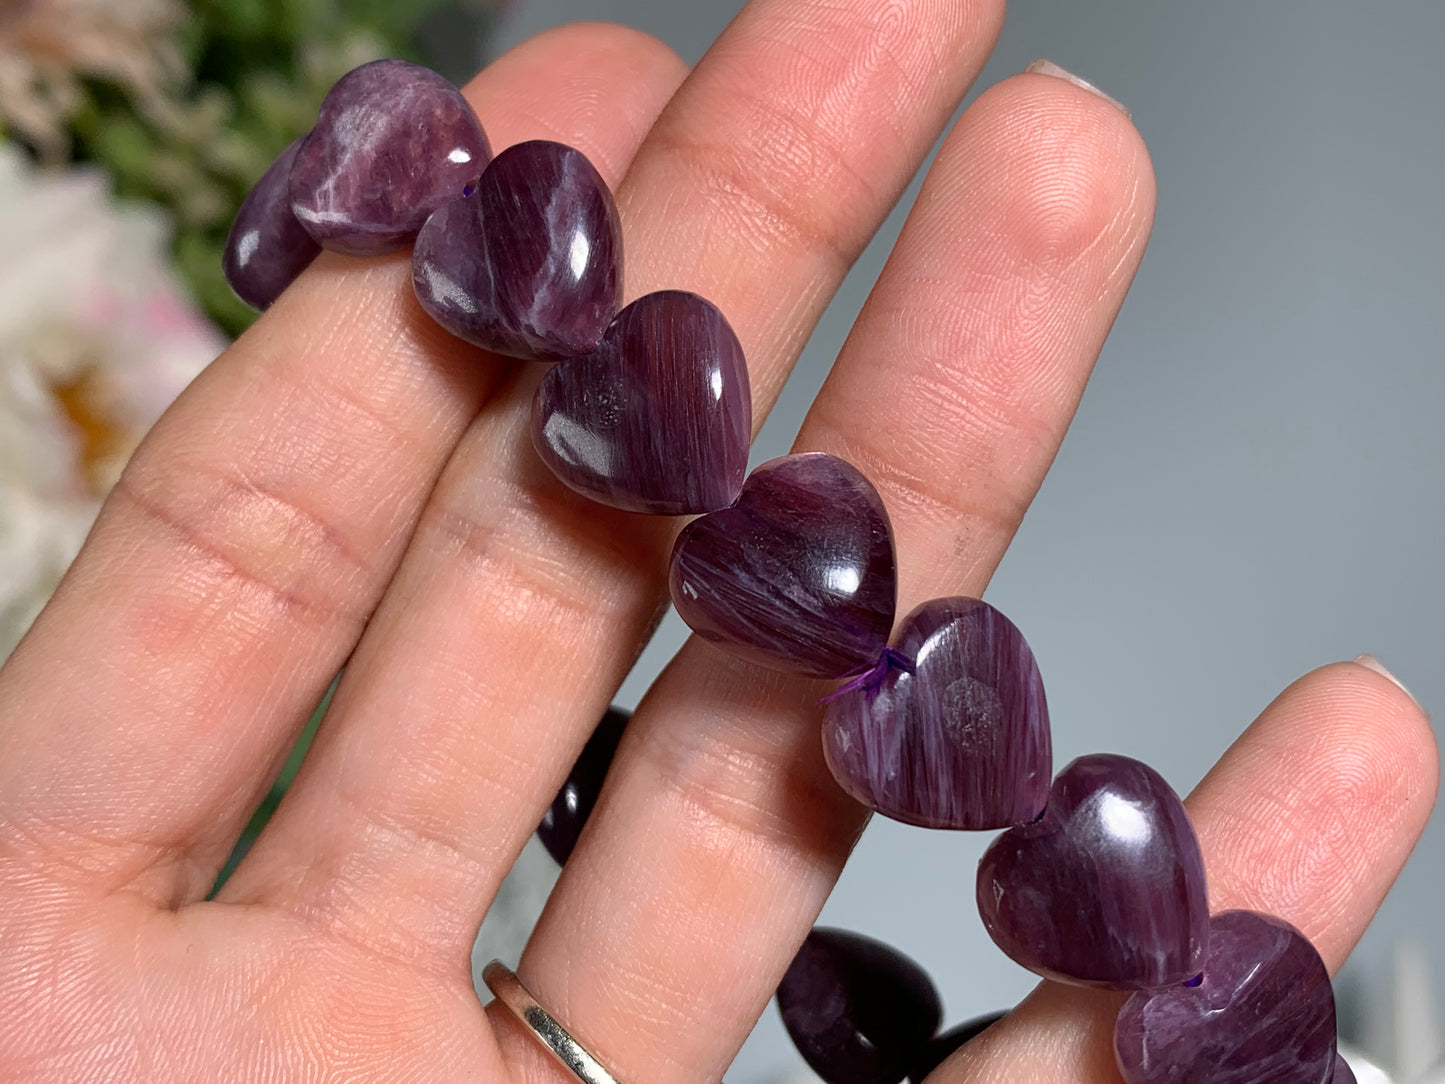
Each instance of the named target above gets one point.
<point>47,47</point>
<point>96,339</point>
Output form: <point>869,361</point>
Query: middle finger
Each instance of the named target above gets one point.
<point>520,607</point>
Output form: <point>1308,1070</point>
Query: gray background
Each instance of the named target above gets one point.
<point>1253,484</point>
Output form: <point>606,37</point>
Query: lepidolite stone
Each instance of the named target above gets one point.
<point>1343,1074</point>
<point>393,142</point>
<point>943,1046</point>
<point>1264,1013</point>
<point>267,247</point>
<point>564,820</point>
<point>858,1011</point>
<point>798,575</point>
<point>1107,888</point>
<point>530,264</point>
<point>658,418</point>
<point>963,741</point>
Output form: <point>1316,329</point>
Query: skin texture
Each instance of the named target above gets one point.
<point>349,483</point>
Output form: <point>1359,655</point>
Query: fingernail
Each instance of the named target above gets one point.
<point>1369,662</point>
<point>1048,67</point>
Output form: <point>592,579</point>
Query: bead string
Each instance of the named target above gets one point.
<point>1097,879</point>
<point>870,679</point>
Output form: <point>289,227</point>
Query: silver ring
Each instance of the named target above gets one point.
<point>503,982</point>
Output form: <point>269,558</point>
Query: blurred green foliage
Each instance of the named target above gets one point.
<point>259,71</point>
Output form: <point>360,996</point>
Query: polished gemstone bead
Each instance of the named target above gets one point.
<point>267,247</point>
<point>963,740</point>
<point>1343,1074</point>
<point>797,575</point>
<point>858,1011</point>
<point>530,264</point>
<point>1263,1013</point>
<point>1107,888</point>
<point>658,418</point>
<point>941,1047</point>
<point>392,143</point>
<point>562,823</point>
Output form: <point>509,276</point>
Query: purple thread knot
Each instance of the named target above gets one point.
<point>870,678</point>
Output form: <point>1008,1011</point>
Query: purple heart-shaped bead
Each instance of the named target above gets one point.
<point>857,1010</point>
<point>563,822</point>
<point>960,742</point>
<point>393,141</point>
<point>530,264</point>
<point>1106,888</point>
<point>267,248</point>
<point>798,575</point>
<point>658,418</point>
<point>1263,1012</point>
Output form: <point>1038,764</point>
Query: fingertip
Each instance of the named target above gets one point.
<point>1405,720</point>
<point>1085,175</point>
<point>1312,813</point>
<point>1374,665</point>
<point>612,43</point>
<point>1351,713</point>
<point>573,80</point>
<point>581,46</point>
<point>1048,67</point>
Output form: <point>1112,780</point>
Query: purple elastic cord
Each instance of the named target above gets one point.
<point>872,676</point>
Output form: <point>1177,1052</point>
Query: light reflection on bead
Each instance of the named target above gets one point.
<point>857,1010</point>
<point>564,820</point>
<point>393,141</point>
<point>639,423</point>
<point>798,575</point>
<point>1106,888</point>
<point>529,263</point>
<point>267,248</point>
<point>1264,1013</point>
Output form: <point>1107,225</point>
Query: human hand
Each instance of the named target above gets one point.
<point>350,483</point>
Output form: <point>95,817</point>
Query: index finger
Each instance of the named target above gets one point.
<point>233,569</point>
